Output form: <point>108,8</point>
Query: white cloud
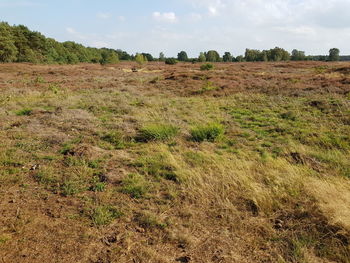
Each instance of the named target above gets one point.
<point>102,15</point>
<point>169,17</point>
<point>121,18</point>
<point>195,17</point>
<point>100,44</point>
<point>75,34</point>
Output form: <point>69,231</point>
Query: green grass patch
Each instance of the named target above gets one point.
<point>24,112</point>
<point>104,215</point>
<point>209,132</point>
<point>158,167</point>
<point>135,185</point>
<point>115,138</point>
<point>157,132</point>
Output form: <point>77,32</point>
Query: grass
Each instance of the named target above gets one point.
<point>24,112</point>
<point>114,138</point>
<point>157,166</point>
<point>135,164</point>
<point>149,220</point>
<point>157,132</point>
<point>135,185</point>
<point>209,132</point>
<point>104,215</point>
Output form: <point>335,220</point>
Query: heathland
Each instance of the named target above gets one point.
<point>244,162</point>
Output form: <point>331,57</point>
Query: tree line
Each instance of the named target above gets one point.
<point>19,44</point>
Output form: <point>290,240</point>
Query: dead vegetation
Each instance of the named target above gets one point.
<point>246,162</point>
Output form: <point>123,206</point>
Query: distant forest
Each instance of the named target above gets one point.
<point>19,44</point>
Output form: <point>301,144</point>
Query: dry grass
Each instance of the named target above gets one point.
<point>269,182</point>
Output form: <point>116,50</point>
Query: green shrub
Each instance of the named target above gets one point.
<point>24,112</point>
<point>209,132</point>
<point>135,185</point>
<point>207,66</point>
<point>157,132</point>
<point>170,61</point>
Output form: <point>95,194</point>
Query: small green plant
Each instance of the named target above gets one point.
<point>210,132</point>
<point>54,88</point>
<point>70,187</point>
<point>135,185</point>
<point>157,132</point>
<point>24,112</point>
<point>207,66</point>
<point>208,86</point>
<point>104,215</point>
<point>39,80</point>
<point>98,187</point>
<point>170,61</point>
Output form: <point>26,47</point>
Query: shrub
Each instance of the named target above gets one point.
<point>209,132</point>
<point>157,132</point>
<point>135,185</point>
<point>207,66</point>
<point>170,61</point>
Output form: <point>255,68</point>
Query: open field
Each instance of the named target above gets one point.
<point>248,162</point>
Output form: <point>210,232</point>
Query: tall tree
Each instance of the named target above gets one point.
<point>161,56</point>
<point>202,57</point>
<point>227,57</point>
<point>213,56</point>
<point>334,54</point>
<point>182,56</point>
<point>298,55</point>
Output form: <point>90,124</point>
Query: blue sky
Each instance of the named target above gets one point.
<point>170,26</point>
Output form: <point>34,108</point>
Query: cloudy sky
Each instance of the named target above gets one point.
<point>170,26</point>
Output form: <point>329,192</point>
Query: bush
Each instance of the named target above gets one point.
<point>210,132</point>
<point>170,61</point>
<point>157,132</point>
<point>207,66</point>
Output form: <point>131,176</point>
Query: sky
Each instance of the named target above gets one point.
<point>169,26</point>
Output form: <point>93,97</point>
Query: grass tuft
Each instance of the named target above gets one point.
<point>157,132</point>
<point>104,215</point>
<point>210,132</point>
<point>24,112</point>
<point>135,185</point>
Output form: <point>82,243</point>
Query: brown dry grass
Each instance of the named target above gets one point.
<point>76,184</point>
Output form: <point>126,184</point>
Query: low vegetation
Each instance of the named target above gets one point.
<point>245,162</point>
<point>157,132</point>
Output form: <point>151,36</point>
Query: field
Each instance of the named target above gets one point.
<point>247,162</point>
